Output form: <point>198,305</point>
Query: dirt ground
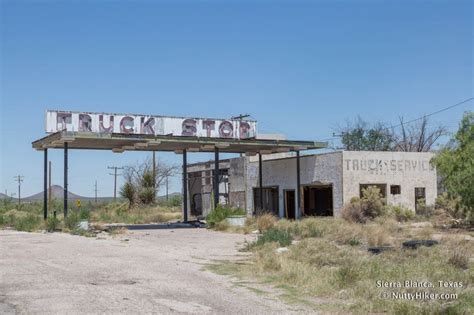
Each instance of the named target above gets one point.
<point>159,271</point>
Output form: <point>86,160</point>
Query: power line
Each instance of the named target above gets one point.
<point>416,119</point>
<point>115,168</point>
<point>19,179</point>
<point>433,113</point>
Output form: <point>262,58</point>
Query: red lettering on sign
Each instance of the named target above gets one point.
<point>126,124</point>
<point>189,127</point>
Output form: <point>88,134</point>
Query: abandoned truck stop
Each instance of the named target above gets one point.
<point>126,132</point>
<point>327,181</point>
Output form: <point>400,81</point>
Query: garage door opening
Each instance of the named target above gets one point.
<point>270,200</point>
<point>317,200</point>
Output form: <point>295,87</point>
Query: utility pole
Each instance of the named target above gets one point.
<point>166,187</point>
<point>115,168</point>
<point>95,189</point>
<point>19,179</point>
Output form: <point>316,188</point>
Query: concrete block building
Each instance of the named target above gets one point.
<point>328,181</point>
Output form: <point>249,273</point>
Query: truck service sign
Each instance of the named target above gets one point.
<point>104,123</point>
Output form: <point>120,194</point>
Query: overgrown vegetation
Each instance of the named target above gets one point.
<point>368,207</point>
<point>29,216</point>
<point>221,212</point>
<point>328,262</point>
<point>455,164</point>
<point>143,180</point>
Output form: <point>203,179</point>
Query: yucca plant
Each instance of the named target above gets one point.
<point>128,192</point>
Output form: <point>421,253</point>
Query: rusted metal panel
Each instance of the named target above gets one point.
<point>108,123</point>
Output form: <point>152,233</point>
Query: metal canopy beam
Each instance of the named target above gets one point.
<point>123,142</point>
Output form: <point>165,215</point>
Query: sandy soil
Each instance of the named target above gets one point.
<point>159,271</point>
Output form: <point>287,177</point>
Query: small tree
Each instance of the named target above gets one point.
<point>418,137</point>
<point>455,164</point>
<point>145,182</point>
<point>360,136</point>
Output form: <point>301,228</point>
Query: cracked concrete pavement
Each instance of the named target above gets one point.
<point>152,271</point>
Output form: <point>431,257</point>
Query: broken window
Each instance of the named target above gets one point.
<point>395,189</point>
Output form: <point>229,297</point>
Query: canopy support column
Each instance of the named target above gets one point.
<point>45,186</point>
<point>216,177</point>
<point>185,186</point>
<point>298,185</point>
<point>260,181</point>
<point>65,178</point>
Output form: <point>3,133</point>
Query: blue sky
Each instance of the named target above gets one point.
<point>299,68</point>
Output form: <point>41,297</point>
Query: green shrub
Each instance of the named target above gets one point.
<point>72,220</point>
<point>221,212</point>
<point>84,214</point>
<point>279,236</point>
<point>370,206</point>
<point>373,202</point>
<point>174,201</point>
<point>52,224</point>
<point>450,205</point>
<point>401,212</point>
<point>147,195</point>
<point>423,210</point>
<point>28,223</point>
<point>354,242</point>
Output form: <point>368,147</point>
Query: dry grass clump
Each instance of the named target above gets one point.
<point>459,258</point>
<point>377,236</point>
<point>119,213</point>
<point>222,226</point>
<point>266,259</point>
<point>353,212</point>
<point>265,221</point>
<point>325,266</point>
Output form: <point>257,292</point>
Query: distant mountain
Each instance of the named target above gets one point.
<point>57,192</point>
<point>2,196</point>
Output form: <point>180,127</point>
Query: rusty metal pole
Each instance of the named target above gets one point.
<point>65,178</point>
<point>298,184</point>
<point>216,177</point>
<point>49,189</point>
<point>45,186</point>
<point>260,180</point>
<point>185,187</point>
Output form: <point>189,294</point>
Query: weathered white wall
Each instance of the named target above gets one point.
<point>315,170</point>
<point>407,169</point>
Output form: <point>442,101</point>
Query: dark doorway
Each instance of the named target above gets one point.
<point>317,200</point>
<point>420,196</point>
<point>196,204</point>
<point>270,200</point>
<point>290,204</point>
